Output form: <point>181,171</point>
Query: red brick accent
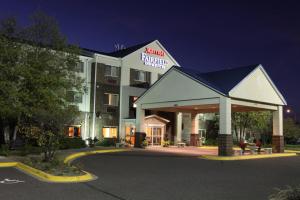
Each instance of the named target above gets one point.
<point>277,144</point>
<point>194,139</point>
<point>225,144</point>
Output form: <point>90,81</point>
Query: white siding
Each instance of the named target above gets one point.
<point>175,86</point>
<point>257,87</point>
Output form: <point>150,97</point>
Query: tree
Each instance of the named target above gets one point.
<point>11,64</point>
<point>46,71</point>
<point>243,122</point>
<point>291,130</point>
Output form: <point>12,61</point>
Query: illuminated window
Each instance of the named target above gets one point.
<point>111,71</point>
<point>73,131</point>
<point>109,132</point>
<point>111,99</point>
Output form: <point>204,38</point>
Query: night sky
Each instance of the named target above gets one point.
<point>204,35</point>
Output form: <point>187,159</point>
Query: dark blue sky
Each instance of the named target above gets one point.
<point>205,35</point>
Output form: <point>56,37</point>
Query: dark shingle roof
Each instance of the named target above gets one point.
<point>118,54</point>
<point>124,52</point>
<point>223,80</point>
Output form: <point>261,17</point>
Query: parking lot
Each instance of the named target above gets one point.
<point>142,174</point>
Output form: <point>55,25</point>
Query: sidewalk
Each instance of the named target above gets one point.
<point>4,159</point>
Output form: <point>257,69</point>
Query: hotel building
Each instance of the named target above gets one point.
<point>143,89</point>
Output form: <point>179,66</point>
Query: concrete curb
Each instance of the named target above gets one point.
<point>43,176</point>
<point>247,157</point>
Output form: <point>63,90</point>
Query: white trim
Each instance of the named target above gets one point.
<point>183,73</point>
<point>253,104</point>
<point>105,56</point>
<point>158,117</point>
<point>161,46</point>
<point>180,103</point>
<point>268,78</point>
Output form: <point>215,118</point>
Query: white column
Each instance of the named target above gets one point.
<point>140,118</point>
<point>278,122</point>
<point>195,123</point>
<point>225,116</point>
<point>178,127</point>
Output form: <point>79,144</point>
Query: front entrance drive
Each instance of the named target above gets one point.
<point>140,175</point>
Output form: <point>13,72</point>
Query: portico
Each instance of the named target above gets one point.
<point>242,89</point>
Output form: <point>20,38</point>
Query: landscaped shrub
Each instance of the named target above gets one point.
<point>71,143</point>
<point>166,143</point>
<point>106,142</point>
<point>30,149</point>
<point>289,193</point>
<point>92,142</point>
<point>211,142</point>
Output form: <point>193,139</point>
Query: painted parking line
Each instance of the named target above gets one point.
<point>10,181</point>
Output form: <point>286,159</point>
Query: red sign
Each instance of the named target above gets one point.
<point>155,52</point>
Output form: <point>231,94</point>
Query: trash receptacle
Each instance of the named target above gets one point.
<point>138,139</point>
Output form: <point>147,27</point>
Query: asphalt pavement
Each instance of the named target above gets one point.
<point>142,175</point>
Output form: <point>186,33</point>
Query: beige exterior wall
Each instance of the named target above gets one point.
<point>176,87</point>
<point>257,87</point>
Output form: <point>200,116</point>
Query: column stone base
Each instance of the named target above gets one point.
<point>225,144</point>
<point>277,143</point>
<point>194,139</point>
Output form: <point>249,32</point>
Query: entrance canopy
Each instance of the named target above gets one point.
<point>240,89</point>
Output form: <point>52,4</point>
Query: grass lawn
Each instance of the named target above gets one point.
<point>292,147</point>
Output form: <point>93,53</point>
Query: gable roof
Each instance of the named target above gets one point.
<point>157,117</point>
<point>222,80</point>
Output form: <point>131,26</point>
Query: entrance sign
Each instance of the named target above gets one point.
<point>150,60</point>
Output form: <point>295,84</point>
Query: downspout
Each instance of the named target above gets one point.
<point>120,99</point>
<point>86,100</point>
<point>94,110</point>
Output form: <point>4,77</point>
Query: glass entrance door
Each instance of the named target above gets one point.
<point>156,136</point>
<point>153,135</point>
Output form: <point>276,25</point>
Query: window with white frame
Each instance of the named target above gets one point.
<point>111,99</point>
<point>79,67</point>
<point>140,76</point>
<point>111,71</point>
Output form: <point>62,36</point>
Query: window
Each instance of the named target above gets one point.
<point>74,97</point>
<point>73,131</point>
<point>140,76</point>
<point>109,132</point>
<point>111,71</point>
<point>111,99</point>
<point>132,99</point>
<point>79,67</point>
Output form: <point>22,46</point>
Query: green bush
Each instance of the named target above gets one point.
<point>4,150</point>
<point>30,149</point>
<point>166,143</point>
<point>288,193</point>
<point>71,143</point>
<point>211,142</point>
<point>106,142</point>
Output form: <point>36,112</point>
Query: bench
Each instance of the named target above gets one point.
<point>254,149</point>
<point>120,144</point>
<point>180,144</point>
<point>267,150</point>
